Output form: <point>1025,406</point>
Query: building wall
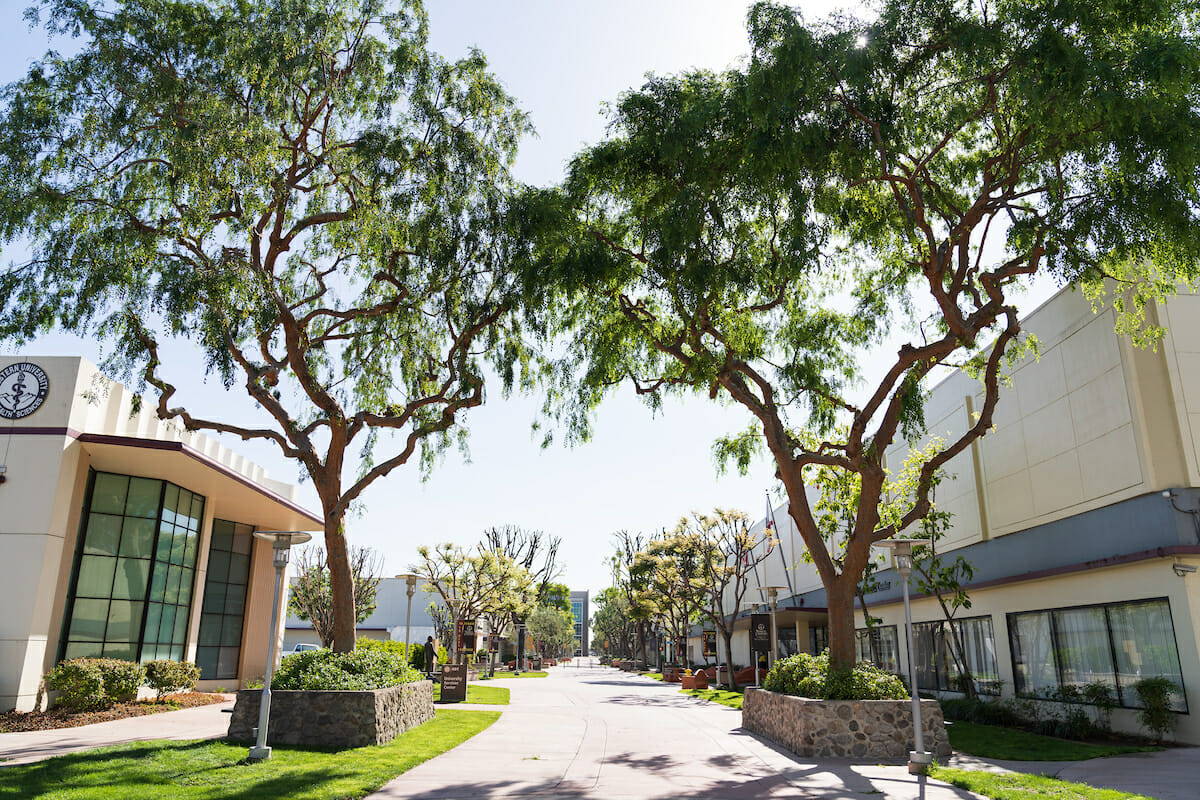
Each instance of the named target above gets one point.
<point>581,613</point>
<point>87,422</point>
<point>387,621</point>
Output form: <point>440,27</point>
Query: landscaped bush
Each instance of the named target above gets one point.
<point>165,677</point>
<point>1155,697</point>
<point>983,712</point>
<point>324,670</point>
<point>807,675</point>
<point>88,684</point>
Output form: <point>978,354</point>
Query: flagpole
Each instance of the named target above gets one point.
<point>782,557</point>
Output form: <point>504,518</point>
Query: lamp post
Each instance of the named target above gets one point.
<point>281,545</point>
<point>919,759</point>
<point>410,586</point>
<point>773,601</point>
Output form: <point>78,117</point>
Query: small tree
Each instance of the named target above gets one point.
<point>731,556</point>
<point>553,628</point>
<point>611,623</point>
<point>310,594</point>
<point>673,574</point>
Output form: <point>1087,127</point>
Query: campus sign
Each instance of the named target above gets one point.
<point>760,633</point>
<point>23,388</point>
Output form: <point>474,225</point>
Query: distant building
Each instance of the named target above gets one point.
<point>579,610</point>
<point>385,622</point>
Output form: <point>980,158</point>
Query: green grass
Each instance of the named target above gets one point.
<point>217,769</point>
<point>1011,786</point>
<point>723,696</point>
<point>992,741</point>
<point>522,675</point>
<point>655,675</point>
<point>485,695</point>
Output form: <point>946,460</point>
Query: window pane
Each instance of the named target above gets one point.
<point>231,631</point>
<point>185,587</point>
<point>103,534</point>
<point>166,535</point>
<point>108,493</point>
<point>181,623</point>
<point>1083,652</point>
<point>228,662</point>
<point>214,598</point>
<point>189,549</point>
<point>130,583</point>
<point>1144,639</point>
<point>124,621</point>
<point>210,630</point>
<point>137,541</point>
<point>239,571</point>
<point>176,652</point>
<point>1034,671</point>
<point>120,650</point>
<point>83,650</point>
<point>206,660</point>
<point>197,512</point>
<point>243,540</point>
<point>177,546</point>
<point>88,620</point>
<point>173,575</point>
<point>153,619</point>
<point>95,576</point>
<point>158,583</point>
<point>170,502</point>
<point>218,565</point>
<point>144,495</point>
<point>925,654</point>
<point>167,625</point>
<point>235,599</point>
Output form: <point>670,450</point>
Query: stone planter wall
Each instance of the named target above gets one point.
<point>876,729</point>
<point>334,719</point>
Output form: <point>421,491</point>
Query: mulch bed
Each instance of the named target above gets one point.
<point>16,721</point>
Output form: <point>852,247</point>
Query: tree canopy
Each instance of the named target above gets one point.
<point>298,187</point>
<point>747,235</point>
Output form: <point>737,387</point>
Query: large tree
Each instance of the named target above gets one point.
<point>749,235</point>
<point>298,187</point>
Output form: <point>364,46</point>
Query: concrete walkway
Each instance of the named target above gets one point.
<point>202,722</point>
<point>601,733</point>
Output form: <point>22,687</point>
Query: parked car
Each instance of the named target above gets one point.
<point>302,647</point>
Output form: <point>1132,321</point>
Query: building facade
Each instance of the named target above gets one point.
<point>125,536</point>
<point>1079,511</point>
<point>581,615</point>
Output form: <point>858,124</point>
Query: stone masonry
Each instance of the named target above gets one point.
<point>334,719</point>
<point>875,729</point>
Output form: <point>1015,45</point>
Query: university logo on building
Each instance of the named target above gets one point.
<point>23,388</point>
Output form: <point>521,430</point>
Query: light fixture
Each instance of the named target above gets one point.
<point>1183,570</point>
<point>919,758</point>
<point>410,586</point>
<point>281,545</point>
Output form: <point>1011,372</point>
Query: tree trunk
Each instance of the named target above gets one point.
<point>727,635</point>
<point>341,586</point>
<point>840,603</point>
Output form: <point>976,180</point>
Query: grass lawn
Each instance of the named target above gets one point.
<point>1025,787</point>
<point>218,769</point>
<point>499,675</point>
<point>723,696</point>
<point>486,695</point>
<point>655,675</point>
<point>992,741</point>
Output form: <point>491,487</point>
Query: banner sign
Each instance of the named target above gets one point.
<point>466,633</point>
<point>710,643</point>
<point>454,683</point>
<point>760,633</point>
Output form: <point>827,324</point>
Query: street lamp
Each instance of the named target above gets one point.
<point>919,759</point>
<point>773,600</point>
<point>281,544</point>
<point>410,586</point>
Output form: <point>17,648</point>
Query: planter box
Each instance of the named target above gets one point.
<point>874,729</point>
<point>334,719</point>
<point>697,681</point>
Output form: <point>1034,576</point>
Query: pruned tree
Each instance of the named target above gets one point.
<point>631,585</point>
<point>536,551</point>
<point>299,189</point>
<point>731,554</point>
<point>748,235</point>
<point>310,598</point>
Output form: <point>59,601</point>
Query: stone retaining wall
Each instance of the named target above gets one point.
<point>334,719</point>
<point>876,729</point>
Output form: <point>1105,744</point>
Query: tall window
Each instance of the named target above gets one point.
<point>224,607</point>
<point>135,569</point>
<point>938,669</point>
<point>878,645</point>
<point>1117,644</point>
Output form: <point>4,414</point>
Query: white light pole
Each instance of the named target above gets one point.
<point>281,544</point>
<point>919,759</point>
<point>773,600</point>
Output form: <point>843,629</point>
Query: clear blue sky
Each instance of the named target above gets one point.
<point>562,61</point>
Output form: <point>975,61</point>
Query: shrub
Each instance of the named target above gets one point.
<point>807,675</point>
<point>87,684</point>
<point>984,712</point>
<point>1155,697</point>
<point>324,670</point>
<point>165,677</point>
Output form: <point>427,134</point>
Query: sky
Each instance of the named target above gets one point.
<point>562,61</point>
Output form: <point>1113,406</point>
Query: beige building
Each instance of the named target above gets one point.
<point>124,536</point>
<point>1079,511</point>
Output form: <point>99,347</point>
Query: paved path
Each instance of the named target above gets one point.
<point>601,733</point>
<point>202,722</point>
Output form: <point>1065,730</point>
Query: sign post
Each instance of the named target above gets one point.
<point>760,638</point>
<point>454,683</point>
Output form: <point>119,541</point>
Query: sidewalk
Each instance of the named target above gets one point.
<point>1172,774</point>
<point>203,722</point>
